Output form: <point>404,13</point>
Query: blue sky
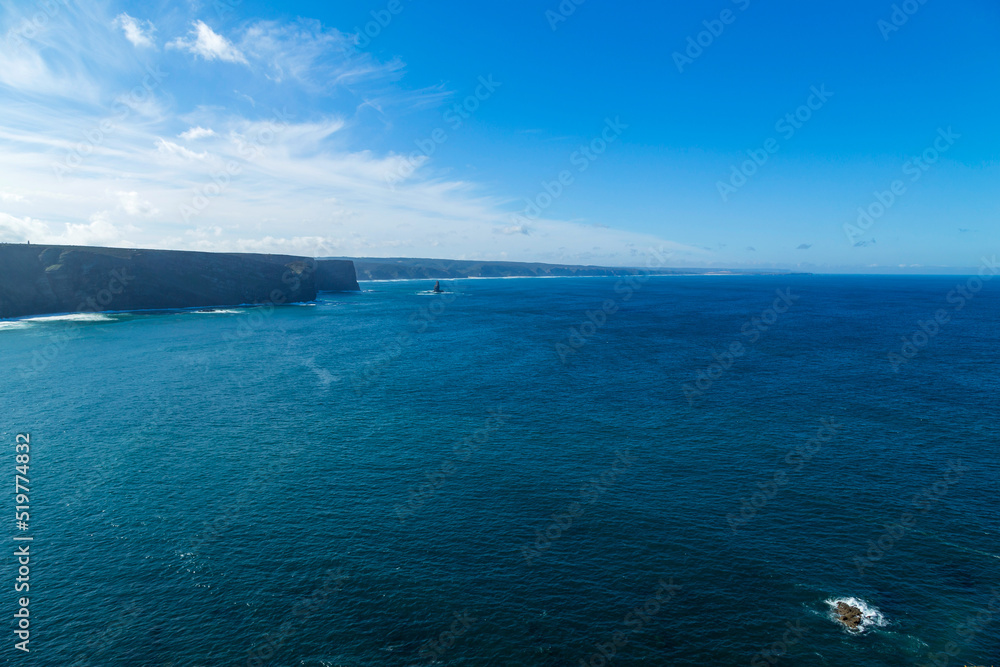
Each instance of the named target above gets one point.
<point>308,128</point>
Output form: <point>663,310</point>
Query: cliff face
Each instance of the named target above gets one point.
<point>336,275</point>
<point>37,280</point>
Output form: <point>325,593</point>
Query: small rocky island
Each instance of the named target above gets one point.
<point>849,615</point>
<point>44,279</point>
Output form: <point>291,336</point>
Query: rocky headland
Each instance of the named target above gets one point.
<point>41,279</point>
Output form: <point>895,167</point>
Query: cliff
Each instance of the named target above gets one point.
<point>336,275</point>
<point>410,268</point>
<point>37,280</point>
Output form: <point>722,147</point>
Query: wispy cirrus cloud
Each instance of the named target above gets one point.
<point>310,183</point>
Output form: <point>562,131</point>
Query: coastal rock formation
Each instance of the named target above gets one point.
<point>336,275</point>
<point>38,280</point>
<point>849,615</point>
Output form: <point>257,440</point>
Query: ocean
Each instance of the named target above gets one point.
<point>678,470</point>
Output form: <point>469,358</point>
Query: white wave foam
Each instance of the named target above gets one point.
<point>871,616</point>
<point>219,311</point>
<point>70,317</point>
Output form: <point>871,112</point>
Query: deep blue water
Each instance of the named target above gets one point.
<point>341,483</point>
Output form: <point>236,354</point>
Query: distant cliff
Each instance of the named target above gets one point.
<point>38,280</point>
<point>336,275</point>
<point>410,268</point>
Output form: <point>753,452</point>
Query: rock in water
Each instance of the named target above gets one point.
<point>849,615</point>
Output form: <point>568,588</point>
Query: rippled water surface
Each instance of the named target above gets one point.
<point>515,474</point>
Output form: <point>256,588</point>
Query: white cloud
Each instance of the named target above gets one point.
<point>136,31</point>
<point>133,204</point>
<point>295,183</point>
<point>515,229</point>
<point>210,45</point>
<point>170,148</point>
<point>98,231</point>
<point>196,133</point>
